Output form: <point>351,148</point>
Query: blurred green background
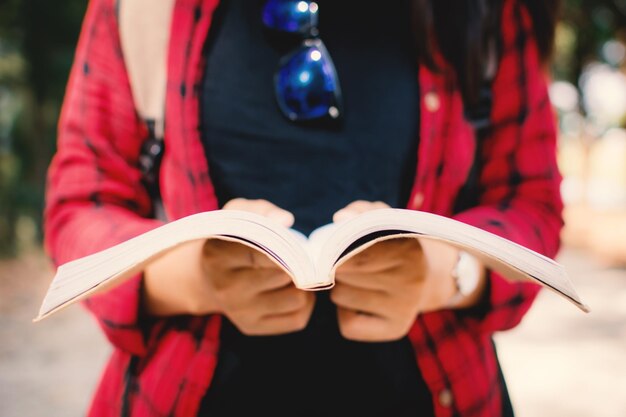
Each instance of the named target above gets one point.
<point>37,40</point>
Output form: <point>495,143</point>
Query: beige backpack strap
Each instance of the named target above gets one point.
<point>144,27</point>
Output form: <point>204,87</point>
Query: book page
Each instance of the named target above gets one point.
<point>509,259</point>
<point>100,271</point>
<point>310,262</point>
<point>318,239</point>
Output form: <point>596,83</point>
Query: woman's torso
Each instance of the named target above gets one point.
<point>313,170</point>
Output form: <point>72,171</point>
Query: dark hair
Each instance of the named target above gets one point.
<point>463,31</point>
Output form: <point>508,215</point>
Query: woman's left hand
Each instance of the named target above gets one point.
<point>380,291</point>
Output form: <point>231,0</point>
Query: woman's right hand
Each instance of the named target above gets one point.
<point>217,276</point>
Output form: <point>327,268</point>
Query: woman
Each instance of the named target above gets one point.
<point>407,120</point>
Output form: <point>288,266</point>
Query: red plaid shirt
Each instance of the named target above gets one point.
<point>95,199</point>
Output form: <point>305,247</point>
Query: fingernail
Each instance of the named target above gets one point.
<point>342,215</point>
<point>283,217</point>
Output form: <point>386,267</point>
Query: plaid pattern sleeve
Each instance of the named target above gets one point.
<point>520,180</point>
<point>519,198</point>
<point>94,196</point>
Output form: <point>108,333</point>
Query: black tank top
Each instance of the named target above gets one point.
<point>253,151</point>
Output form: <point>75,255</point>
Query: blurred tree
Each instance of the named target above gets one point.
<point>37,40</point>
<point>585,25</point>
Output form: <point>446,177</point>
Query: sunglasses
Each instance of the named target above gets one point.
<point>306,84</point>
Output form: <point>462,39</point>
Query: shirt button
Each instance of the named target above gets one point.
<point>432,101</point>
<point>417,201</point>
<point>445,398</point>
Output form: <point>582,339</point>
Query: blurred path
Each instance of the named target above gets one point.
<point>559,362</point>
<point>562,362</point>
<point>47,369</point>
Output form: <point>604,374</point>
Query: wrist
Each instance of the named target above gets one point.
<point>174,283</point>
<point>469,277</point>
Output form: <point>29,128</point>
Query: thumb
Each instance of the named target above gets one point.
<point>355,208</point>
<point>262,207</point>
<point>280,215</point>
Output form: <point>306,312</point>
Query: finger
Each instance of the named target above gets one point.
<point>385,255</point>
<point>357,207</point>
<point>364,328</point>
<point>373,281</point>
<point>398,244</point>
<point>262,207</point>
<point>285,300</point>
<point>369,261</point>
<point>247,282</point>
<point>277,325</point>
<point>231,254</point>
<point>373,302</point>
<point>282,323</point>
<point>391,249</point>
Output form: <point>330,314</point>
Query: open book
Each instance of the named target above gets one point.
<point>310,261</point>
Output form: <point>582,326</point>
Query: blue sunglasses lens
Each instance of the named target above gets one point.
<point>290,16</point>
<point>306,83</point>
